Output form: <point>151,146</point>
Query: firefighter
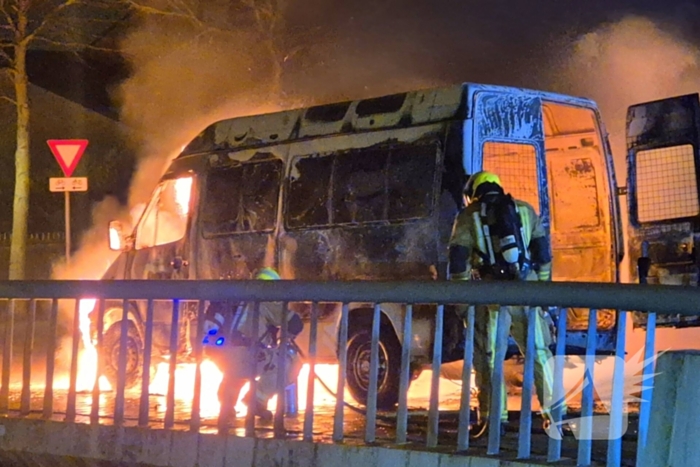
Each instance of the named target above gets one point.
<point>499,238</point>
<point>228,329</point>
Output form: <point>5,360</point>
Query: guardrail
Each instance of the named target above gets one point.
<point>643,298</point>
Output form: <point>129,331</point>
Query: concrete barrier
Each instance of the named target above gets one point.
<point>38,442</point>
<point>674,425</point>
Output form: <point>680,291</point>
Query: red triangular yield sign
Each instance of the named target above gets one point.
<point>68,153</point>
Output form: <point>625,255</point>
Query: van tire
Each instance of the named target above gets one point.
<point>357,372</point>
<point>110,355</point>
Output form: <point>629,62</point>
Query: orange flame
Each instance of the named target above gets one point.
<point>211,378</point>
<point>87,360</point>
<point>183,191</point>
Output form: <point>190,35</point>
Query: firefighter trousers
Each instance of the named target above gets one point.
<point>485,322</point>
<point>236,372</point>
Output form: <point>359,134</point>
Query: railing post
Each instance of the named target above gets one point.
<point>497,382</point>
<point>50,361</point>
<point>617,403</point>
<point>174,341</point>
<point>70,405</point>
<point>647,385</point>
<point>554,448</point>
<point>146,372</point>
<point>278,428</point>
<point>25,408</point>
<point>586,431</point>
<point>405,378</point>
<point>371,416</point>
<point>252,369</point>
<point>643,266</point>
<point>121,365</point>
<point>7,357</point>
<point>196,418</point>
<point>434,408</point>
<point>95,408</point>
<point>525,432</point>
<point>309,412</point>
<point>465,399</point>
<point>342,369</point>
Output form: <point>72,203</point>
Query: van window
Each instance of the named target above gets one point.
<point>666,184</point>
<point>516,166</point>
<point>359,191</point>
<point>241,198</point>
<point>361,186</point>
<point>307,200</point>
<point>165,218</point>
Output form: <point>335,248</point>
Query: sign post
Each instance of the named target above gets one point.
<point>68,153</point>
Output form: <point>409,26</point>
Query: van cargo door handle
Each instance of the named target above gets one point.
<point>178,263</point>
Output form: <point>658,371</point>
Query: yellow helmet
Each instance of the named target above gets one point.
<point>478,179</point>
<point>268,274</point>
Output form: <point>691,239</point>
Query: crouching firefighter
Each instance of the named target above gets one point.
<point>227,339</point>
<point>499,238</point>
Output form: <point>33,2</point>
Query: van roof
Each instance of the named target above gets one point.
<point>395,110</point>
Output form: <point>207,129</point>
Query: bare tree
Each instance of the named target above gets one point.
<point>62,25</point>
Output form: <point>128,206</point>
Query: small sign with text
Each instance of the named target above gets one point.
<point>58,184</point>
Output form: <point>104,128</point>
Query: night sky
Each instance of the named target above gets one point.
<point>445,41</point>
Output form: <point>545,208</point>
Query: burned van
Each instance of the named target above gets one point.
<point>368,190</point>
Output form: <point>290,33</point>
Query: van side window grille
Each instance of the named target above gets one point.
<point>516,166</point>
<point>361,186</point>
<point>666,184</point>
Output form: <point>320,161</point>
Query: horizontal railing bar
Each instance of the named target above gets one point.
<point>669,299</point>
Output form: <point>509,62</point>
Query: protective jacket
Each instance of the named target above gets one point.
<point>469,247</point>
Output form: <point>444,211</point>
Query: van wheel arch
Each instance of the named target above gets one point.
<point>113,315</point>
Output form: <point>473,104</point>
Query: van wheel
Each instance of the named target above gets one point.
<point>134,355</point>
<point>357,373</point>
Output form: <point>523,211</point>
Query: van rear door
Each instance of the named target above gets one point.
<point>508,138</point>
<point>663,156</point>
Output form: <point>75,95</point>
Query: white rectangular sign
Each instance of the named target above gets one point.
<point>57,184</point>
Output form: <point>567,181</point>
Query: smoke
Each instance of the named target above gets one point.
<point>631,61</point>
<point>185,77</point>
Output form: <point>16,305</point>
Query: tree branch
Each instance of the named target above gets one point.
<point>182,12</point>
<point>8,99</point>
<point>6,14</point>
<point>75,45</point>
<point>48,18</point>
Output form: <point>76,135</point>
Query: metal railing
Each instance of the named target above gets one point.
<point>643,298</point>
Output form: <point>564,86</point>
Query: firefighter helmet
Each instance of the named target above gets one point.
<point>268,274</point>
<point>478,179</point>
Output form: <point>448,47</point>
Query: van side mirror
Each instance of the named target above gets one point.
<point>116,236</point>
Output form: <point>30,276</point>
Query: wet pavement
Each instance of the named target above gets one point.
<point>354,425</point>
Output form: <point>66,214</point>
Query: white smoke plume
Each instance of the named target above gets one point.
<point>628,62</point>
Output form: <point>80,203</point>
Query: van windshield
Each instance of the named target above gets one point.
<point>165,218</point>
